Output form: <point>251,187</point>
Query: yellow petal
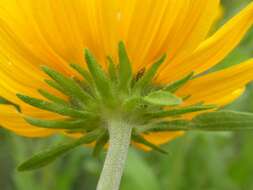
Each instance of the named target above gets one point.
<point>198,21</point>
<point>220,87</point>
<point>56,32</point>
<point>12,120</point>
<point>214,49</point>
<point>183,25</point>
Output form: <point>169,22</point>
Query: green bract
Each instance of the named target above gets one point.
<point>7,102</point>
<point>101,96</point>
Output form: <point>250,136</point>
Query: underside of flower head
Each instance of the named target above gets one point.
<point>99,96</point>
<point>96,98</point>
<point>157,96</point>
<point>55,33</point>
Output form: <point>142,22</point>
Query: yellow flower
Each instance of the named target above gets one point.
<point>55,33</point>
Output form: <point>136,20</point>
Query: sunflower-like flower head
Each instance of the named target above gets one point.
<point>78,67</point>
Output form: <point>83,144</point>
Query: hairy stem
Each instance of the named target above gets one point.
<point>120,136</point>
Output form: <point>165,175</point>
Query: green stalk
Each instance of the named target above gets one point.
<point>120,136</point>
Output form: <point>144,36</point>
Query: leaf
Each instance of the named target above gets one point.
<point>125,69</point>
<point>101,81</point>
<point>149,75</point>
<point>224,121</point>
<point>141,140</point>
<point>58,124</point>
<point>180,111</point>
<point>69,85</point>
<point>60,109</point>
<point>179,83</point>
<point>162,98</point>
<point>46,157</point>
<point>7,102</point>
<point>100,143</point>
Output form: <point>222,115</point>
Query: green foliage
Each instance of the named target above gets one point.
<point>144,178</point>
<point>44,158</point>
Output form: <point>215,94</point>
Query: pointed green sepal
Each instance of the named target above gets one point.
<point>55,85</point>
<point>165,126</point>
<point>59,124</point>
<point>53,98</point>
<point>139,139</point>
<point>146,79</point>
<point>173,87</point>
<point>69,86</point>
<point>125,69</point>
<point>99,77</point>
<point>180,111</point>
<point>162,98</point>
<point>85,74</point>
<point>112,69</point>
<point>224,121</point>
<point>210,121</point>
<point>53,107</point>
<point>7,102</point>
<point>46,157</point>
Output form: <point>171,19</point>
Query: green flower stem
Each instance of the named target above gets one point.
<point>120,136</point>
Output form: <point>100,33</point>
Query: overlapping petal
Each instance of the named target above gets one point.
<point>220,87</point>
<point>55,32</point>
<point>11,119</point>
<point>214,49</point>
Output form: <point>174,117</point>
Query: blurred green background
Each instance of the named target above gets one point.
<point>196,161</point>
